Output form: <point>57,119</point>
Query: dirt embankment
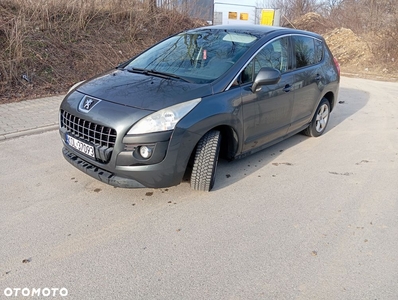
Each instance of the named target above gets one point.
<point>46,47</point>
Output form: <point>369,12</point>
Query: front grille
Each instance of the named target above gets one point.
<point>102,137</point>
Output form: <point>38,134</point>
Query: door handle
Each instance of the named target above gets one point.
<point>287,88</point>
<point>318,77</point>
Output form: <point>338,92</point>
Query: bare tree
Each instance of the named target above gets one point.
<point>362,15</point>
<point>293,9</point>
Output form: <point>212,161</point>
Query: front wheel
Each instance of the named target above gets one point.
<point>205,163</point>
<point>320,120</point>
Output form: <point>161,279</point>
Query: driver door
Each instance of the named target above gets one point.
<point>267,112</point>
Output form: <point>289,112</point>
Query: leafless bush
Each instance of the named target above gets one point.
<point>385,44</point>
<point>12,35</point>
<point>293,9</point>
<point>360,15</point>
<point>47,45</point>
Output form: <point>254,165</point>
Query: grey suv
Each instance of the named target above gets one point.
<point>218,91</point>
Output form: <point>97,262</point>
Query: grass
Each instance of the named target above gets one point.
<point>48,45</point>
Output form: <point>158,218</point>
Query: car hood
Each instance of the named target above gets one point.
<point>142,91</point>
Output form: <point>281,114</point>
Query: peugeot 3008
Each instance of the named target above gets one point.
<point>218,91</point>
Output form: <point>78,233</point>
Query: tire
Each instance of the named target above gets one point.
<point>320,120</point>
<point>205,162</point>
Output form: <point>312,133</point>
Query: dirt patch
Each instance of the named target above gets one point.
<point>311,22</point>
<point>349,48</point>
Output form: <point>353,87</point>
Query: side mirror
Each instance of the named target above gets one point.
<point>266,76</point>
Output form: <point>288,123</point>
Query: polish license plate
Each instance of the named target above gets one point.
<point>80,146</point>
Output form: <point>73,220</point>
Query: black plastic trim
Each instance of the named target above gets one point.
<point>99,174</point>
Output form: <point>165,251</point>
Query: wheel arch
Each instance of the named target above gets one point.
<point>331,99</point>
<point>229,142</point>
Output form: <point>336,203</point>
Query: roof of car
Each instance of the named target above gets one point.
<point>250,27</point>
<point>259,29</point>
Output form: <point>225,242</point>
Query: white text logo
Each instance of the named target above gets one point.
<point>36,292</point>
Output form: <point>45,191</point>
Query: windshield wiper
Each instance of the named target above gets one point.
<point>138,70</point>
<point>157,74</point>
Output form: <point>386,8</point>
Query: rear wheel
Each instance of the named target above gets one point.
<point>320,120</point>
<point>205,163</point>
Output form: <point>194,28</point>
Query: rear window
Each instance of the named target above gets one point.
<point>308,51</point>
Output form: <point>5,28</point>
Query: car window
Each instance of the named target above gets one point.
<point>308,51</point>
<point>319,50</point>
<point>273,55</point>
<point>199,56</point>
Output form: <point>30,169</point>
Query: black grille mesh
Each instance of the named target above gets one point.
<point>97,134</point>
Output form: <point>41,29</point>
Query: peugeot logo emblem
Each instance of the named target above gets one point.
<point>88,103</point>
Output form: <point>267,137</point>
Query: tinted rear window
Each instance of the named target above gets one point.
<point>308,51</point>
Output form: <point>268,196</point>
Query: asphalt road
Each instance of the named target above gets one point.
<point>309,218</point>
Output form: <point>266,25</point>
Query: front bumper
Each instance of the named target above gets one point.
<point>117,172</point>
<point>98,173</point>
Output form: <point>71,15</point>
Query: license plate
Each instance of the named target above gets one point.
<point>80,146</point>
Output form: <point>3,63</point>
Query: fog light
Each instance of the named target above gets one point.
<point>145,151</point>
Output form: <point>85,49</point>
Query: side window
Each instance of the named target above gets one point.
<point>318,51</point>
<point>305,52</point>
<point>273,55</point>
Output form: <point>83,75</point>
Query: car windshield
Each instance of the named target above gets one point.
<point>199,56</point>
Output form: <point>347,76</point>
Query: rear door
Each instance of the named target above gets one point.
<point>307,57</point>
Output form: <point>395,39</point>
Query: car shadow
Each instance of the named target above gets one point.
<point>350,101</point>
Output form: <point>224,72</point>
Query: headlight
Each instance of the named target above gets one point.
<point>165,119</point>
<point>75,86</point>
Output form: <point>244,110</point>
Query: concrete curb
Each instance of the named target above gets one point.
<point>29,117</point>
<point>32,131</point>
